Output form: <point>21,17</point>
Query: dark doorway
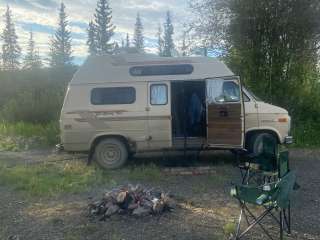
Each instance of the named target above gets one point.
<point>188,104</point>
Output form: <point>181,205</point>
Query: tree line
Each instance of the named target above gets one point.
<point>272,44</point>
<point>99,40</point>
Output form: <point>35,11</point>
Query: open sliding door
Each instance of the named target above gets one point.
<point>225,121</point>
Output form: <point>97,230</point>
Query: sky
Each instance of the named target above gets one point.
<point>41,16</point>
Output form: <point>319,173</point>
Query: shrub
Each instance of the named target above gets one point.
<point>23,136</point>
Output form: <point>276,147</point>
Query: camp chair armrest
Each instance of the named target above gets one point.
<point>255,194</point>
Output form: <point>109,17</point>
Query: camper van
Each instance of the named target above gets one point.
<point>119,105</point>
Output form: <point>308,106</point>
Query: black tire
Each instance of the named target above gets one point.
<point>111,153</point>
<point>262,142</point>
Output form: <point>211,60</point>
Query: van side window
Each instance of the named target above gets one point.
<point>113,95</point>
<point>158,94</point>
<point>221,91</point>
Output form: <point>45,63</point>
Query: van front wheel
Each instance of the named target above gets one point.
<point>111,153</point>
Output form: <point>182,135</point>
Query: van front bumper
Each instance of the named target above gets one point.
<point>288,140</point>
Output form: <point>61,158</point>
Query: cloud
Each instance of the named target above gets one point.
<point>41,16</point>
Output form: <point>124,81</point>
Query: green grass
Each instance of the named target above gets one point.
<point>49,179</point>
<point>22,136</point>
<point>150,173</point>
<point>54,178</point>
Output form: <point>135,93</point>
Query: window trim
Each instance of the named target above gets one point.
<point>167,96</point>
<point>129,87</point>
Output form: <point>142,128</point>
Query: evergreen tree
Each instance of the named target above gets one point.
<point>184,47</point>
<point>160,41</point>
<point>116,49</point>
<point>32,59</point>
<point>127,41</point>
<point>104,27</point>
<point>60,51</point>
<point>168,45</point>
<point>122,43</point>
<point>92,41</point>
<point>10,49</point>
<point>138,34</point>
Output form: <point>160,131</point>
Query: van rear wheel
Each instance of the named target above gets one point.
<point>111,153</point>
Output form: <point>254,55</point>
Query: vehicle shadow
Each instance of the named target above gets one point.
<point>180,159</point>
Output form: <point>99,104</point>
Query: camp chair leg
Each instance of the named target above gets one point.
<point>287,218</point>
<point>281,225</point>
<point>239,223</point>
<point>256,220</point>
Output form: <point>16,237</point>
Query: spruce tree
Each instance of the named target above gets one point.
<point>184,44</point>
<point>104,27</point>
<point>116,49</point>
<point>138,34</point>
<point>127,41</point>
<point>10,49</point>
<point>32,59</point>
<point>160,41</point>
<point>168,45</point>
<point>122,43</point>
<point>60,51</point>
<point>92,41</point>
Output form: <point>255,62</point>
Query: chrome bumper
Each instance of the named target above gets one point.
<point>288,140</point>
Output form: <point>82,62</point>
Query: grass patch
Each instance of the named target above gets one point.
<point>229,228</point>
<point>24,136</point>
<point>54,178</point>
<point>149,172</point>
<point>49,179</point>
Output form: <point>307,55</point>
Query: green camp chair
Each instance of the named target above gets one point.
<point>266,165</point>
<point>273,197</point>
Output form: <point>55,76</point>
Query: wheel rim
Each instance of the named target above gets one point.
<point>109,153</point>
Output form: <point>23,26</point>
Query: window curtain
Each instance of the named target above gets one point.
<point>214,90</point>
<point>158,94</point>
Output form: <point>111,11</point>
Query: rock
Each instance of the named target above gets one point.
<point>133,206</point>
<point>158,207</point>
<point>112,210</point>
<point>141,211</point>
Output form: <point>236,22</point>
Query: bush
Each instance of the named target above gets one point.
<point>306,134</point>
<point>23,136</point>
<point>34,96</point>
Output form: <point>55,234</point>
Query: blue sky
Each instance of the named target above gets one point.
<point>40,16</point>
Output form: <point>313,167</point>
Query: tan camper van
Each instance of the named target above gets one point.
<point>118,105</point>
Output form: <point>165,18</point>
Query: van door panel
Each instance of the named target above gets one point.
<point>225,115</point>
<point>159,120</point>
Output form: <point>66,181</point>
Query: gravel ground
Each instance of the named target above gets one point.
<point>205,207</point>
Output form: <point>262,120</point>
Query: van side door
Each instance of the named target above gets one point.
<point>225,121</point>
<point>159,115</point>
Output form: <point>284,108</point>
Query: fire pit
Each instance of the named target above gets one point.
<point>132,200</point>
